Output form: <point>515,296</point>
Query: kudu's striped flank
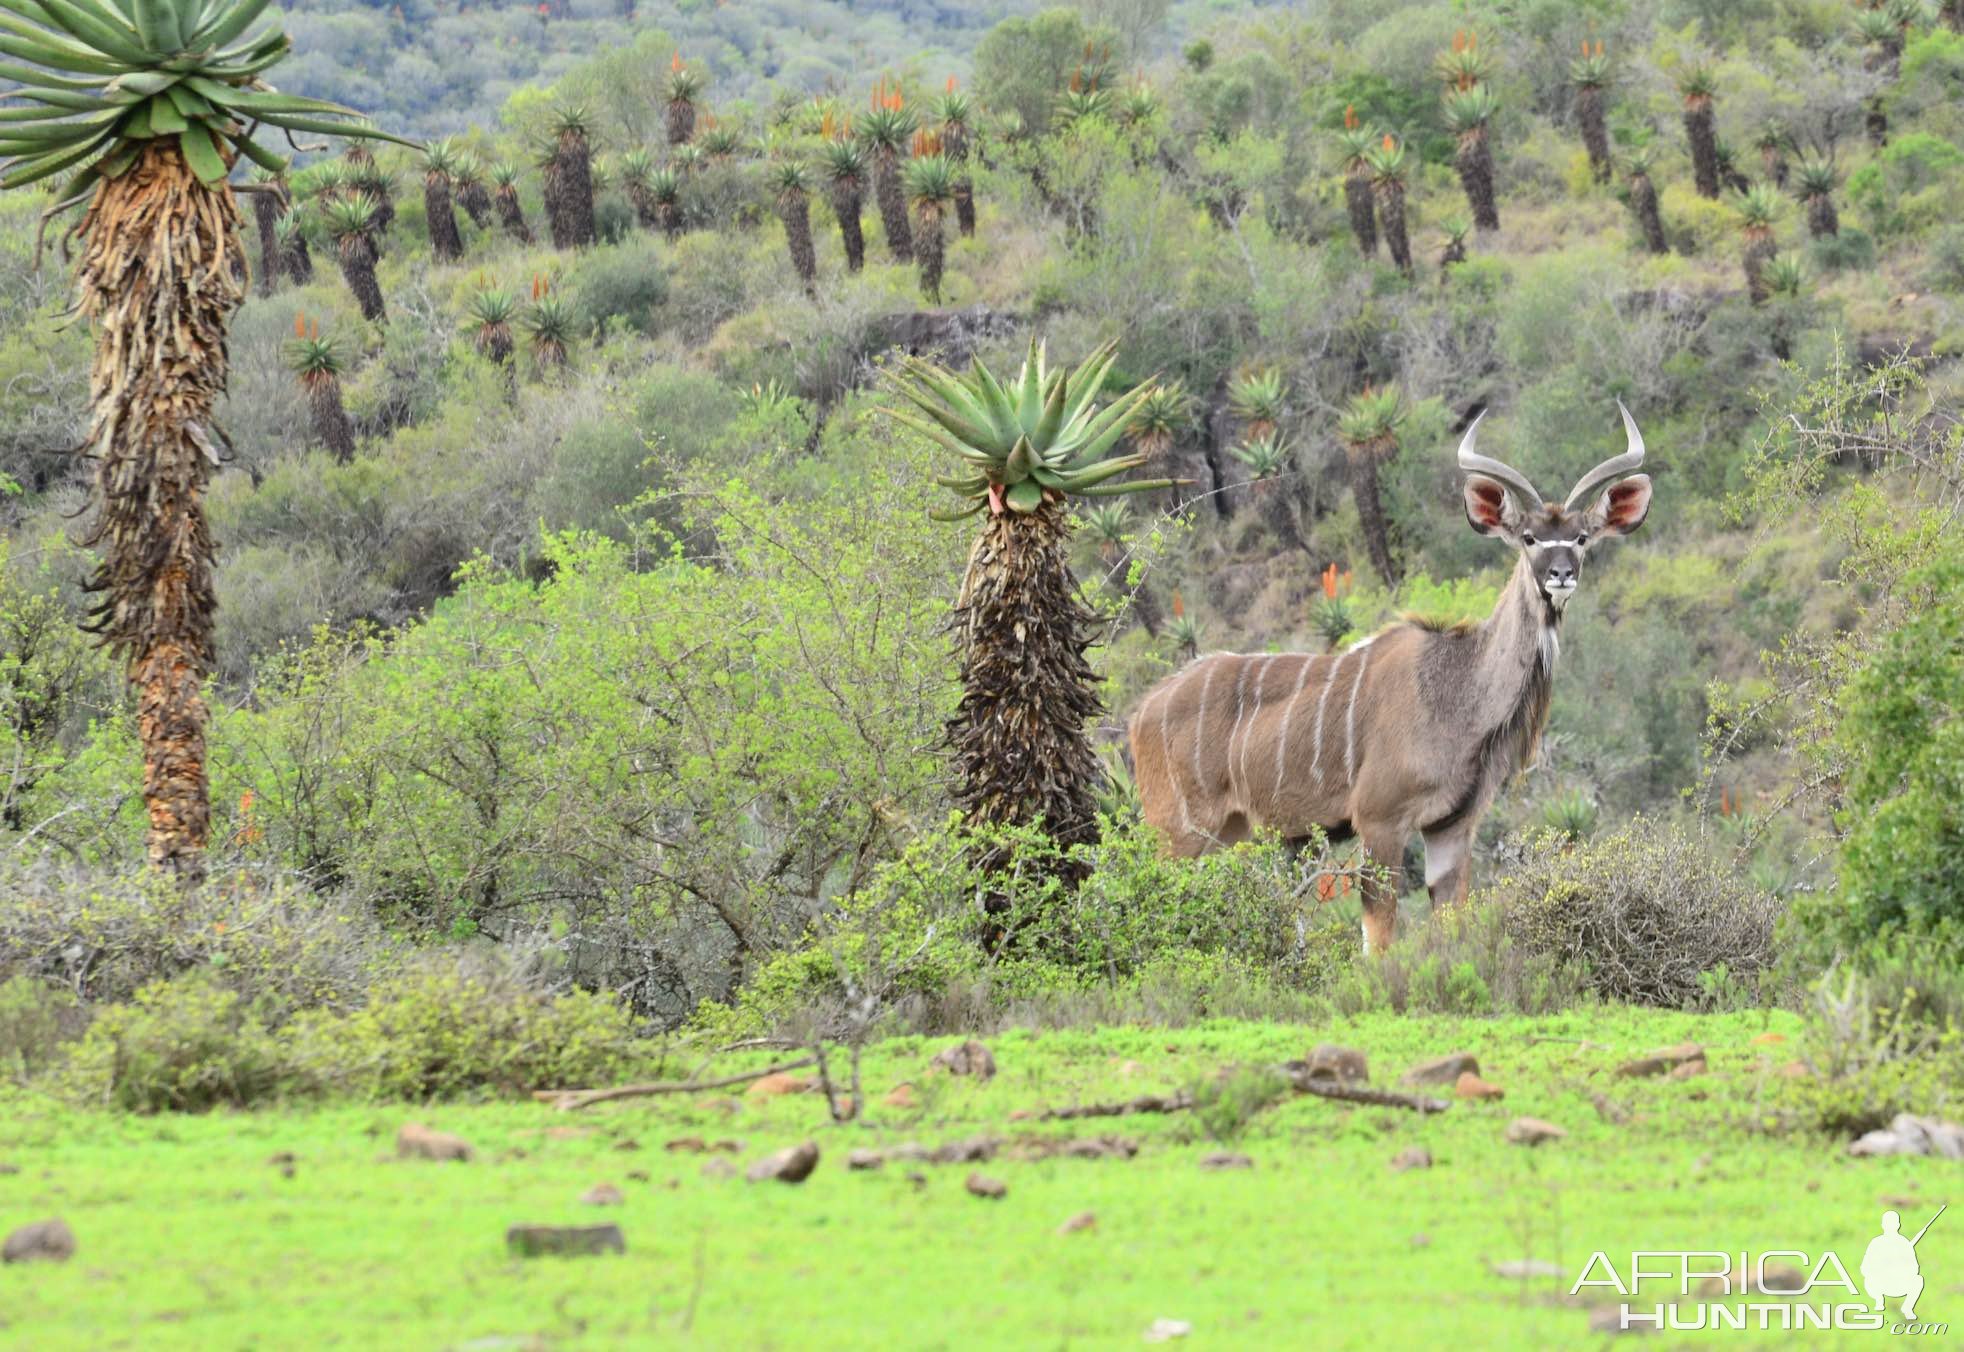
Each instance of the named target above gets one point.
<point>1414,729</point>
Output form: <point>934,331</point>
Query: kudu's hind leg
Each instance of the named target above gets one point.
<point>1448,864</point>
<point>1384,848</point>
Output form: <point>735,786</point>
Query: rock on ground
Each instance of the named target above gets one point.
<point>49,1241</point>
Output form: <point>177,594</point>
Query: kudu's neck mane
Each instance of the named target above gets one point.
<point>1513,667</point>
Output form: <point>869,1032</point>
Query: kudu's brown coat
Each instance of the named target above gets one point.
<point>1414,729</point>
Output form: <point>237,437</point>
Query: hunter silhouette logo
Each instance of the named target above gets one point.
<point>1889,1268</point>
<point>1788,1289</point>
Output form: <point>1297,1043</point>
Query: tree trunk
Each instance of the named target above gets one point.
<point>1822,218</point>
<point>1643,200</point>
<point>671,220</point>
<point>445,242</point>
<point>552,181</point>
<point>795,212</point>
<point>1018,735</point>
<point>893,206</point>
<point>477,204</point>
<point>928,249</point>
<point>574,162</point>
<point>965,207</point>
<point>159,280</point>
<point>1595,129</point>
<point>846,204</point>
<point>1699,131</point>
<point>512,215</point>
<point>1475,164</point>
<point>266,214</point>
<point>1363,216</point>
<point>681,123</point>
<point>1391,215</point>
<point>1370,510</point>
<point>331,423</point>
<point>1775,165</point>
<point>357,254</point>
<point>646,213</point>
<point>299,260</point>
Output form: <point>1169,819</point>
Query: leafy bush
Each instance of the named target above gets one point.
<point>36,1018</point>
<point>1852,250</point>
<point>624,281</point>
<point>443,1028</point>
<point>1643,910</point>
<point>182,1045</point>
<point>1462,961</point>
<point>1904,738</point>
<point>1908,185</point>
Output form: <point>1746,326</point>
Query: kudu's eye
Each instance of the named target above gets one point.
<point>1527,537</point>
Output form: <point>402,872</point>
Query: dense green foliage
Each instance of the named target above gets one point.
<point>621,630</point>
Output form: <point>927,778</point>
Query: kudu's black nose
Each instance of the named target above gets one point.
<point>1561,574</point>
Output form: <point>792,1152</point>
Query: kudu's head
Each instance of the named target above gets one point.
<point>1608,501</point>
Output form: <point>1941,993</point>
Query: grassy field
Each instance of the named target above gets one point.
<point>191,1236</point>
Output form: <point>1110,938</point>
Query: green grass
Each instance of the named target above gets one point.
<point>190,1238</point>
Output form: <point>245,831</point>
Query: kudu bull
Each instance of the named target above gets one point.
<point>1415,728</point>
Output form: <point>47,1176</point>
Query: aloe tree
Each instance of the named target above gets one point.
<point>1452,247</point>
<point>379,185</point>
<point>138,112</point>
<point>1386,161</point>
<point>295,256</point>
<point>636,167</point>
<point>1815,182</point>
<point>845,185</point>
<point>954,115</point>
<point>1643,200</point>
<point>1881,32</point>
<point>1368,428</point>
<point>885,131</point>
<point>1259,398</point>
<point>548,322</point>
<point>504,196</point>
<point>1164,415</point>
<point>1467,65</point>
<point>1469,116</point>
<point>317,362</point>
<point>684,87</point>
<point>1266,459</point>
<point>791,185</point>
<point>570,198</point>
<point>439,163</point>
<point>1785,282</point>
<point>491,313</point>
<point>468,176</point>
<point>350,223</point>
<point>1772,145</point>
<point>1022,756</point>
<point>1759,208</point>
<point>1700,128</point>
<point>665,190</point>
<point>930,184</point>
<point>1591,76</point>
<point>1354,143</point>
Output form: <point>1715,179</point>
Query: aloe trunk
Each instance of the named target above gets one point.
<point>928,248</point>
<point>1590,118</point>
<point>1370,509</point>
<point>1643,201</point>
<point>299,259</point>
<point>847,201</point>
<point>1363,215</point>
<point>1700,131</point>
<point>1475,164</point>
<point>1391,215</point>
<point>331,423</point>
<point>266,215</point>
<point>1822,219</point>
<point>795,212</point>
<point>893,205</point>
<point>357,256</point>
<point>445,242</point>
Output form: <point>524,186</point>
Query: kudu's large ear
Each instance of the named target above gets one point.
<point>1622,507</point>
<point>1490,509</point>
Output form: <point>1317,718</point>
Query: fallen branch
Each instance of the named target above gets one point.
<point>566,1100</point>
<point>1147,1103</point>
<point>1381,1098</point>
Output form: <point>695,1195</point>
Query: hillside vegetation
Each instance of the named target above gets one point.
<point>578,596</point>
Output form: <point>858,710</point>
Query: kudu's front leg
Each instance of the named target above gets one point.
<point>1384,849</point>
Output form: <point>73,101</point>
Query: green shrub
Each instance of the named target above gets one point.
<point>1908,185</point>
<point>37,1018</point>
<point>182,1045</point>
<point>1461,961</point>
<point>1903,735</point>
<point>1224,1104</point>
<point>624,281</point>
<point>1644,911</point>
<point>1853,250</point>
<point>441,1029</point>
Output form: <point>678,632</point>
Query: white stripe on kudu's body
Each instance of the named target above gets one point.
<point>1435,718</point>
